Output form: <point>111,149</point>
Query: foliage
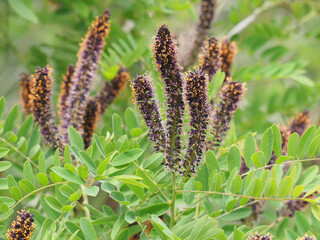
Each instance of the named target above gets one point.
<point>117,187</point>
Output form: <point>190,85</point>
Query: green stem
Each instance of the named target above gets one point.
<point>154,183</point>
<point>241,196</point>
<point>19,152</point>
<point>173,202</point>
<point>30,194</point>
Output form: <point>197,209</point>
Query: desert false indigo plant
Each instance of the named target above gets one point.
<point>76,108</point>
<point>118,188</point>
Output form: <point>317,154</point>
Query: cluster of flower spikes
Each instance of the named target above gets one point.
<point>307,237</point>
<point>298,124</point>
<point>257,236</point>
<point>190,91</point>
<point>76,108</point>
<point>222,57</point>
<point>23,227</point>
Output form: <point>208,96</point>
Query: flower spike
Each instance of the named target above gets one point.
<point>84,73</point>
<point>112,89</point>
<point>166,59</point>
<point>91,118</point>
<point>307,237</point>
<point>41,90</point>
<point>203,26</point>
<point>228,52</point>
<point>196,95</point>
<point>300,123</point>
<point>231,94</point>
<point>25,83</point>
<point>210,60</point>
<point>144,98</point>
<point>65,92</point>
<point>257,236</point>
<point>22,227</point>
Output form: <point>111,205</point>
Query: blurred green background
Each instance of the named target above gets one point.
<point>278,47</point>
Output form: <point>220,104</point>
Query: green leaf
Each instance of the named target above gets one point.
<point>20,8</point>
<point>212,162</point>
<point>53,203</point>
<point>302,222</point>
<point>316,211</point>
<point>2,105</point>
<point>314,189</point>
<point>131,180</point>
<point>99,145</point>
<point>107,187</point>
<point>189,197</point>
<point>297,191</point>
<point>305,141</point>
<point>16,193</point>
<point>249,149</point>
<point>282,159</point>
<point>5,165</point>
<point>156,209</point>
<point>258,159</point>
<point>153,161</point>
<point>271,188</point>
<point>88,229</point>
<point>42,163</point>
<point>67,156</point>
<point>3,152</point>
<point>75,196</point>
<point>236,184</point>
<point>293,145</point>
<point>67,208</point>
<point>116,126</point>
<point>285,187</point>
<point>11,119</point>
<point>27,172</point>
<point>66,174</point>
<point>130,217</point>
<point>117,196</point>
<point>56,158</point>
<point>75,138</point>
<point>103,165</point>
<point>42,179</point>
<point>237,234</point>
<point>266,144</point>
<point>303,80</point>
<point>26,185</point>
<point>308,175</point>
<point>161,228</point>
<point>130,119</point>
<point>73,228</point>
<point>92,191</point>
<point>277,140</point>
<point>11,181</point>
<point>26,127</point>
<point>118,225</point>
<point>44,228</point>
<point>234,158</point>
<point>314,147</point>
<point>87,160</point>
<point>127,157</point>
<point>215,84</point>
